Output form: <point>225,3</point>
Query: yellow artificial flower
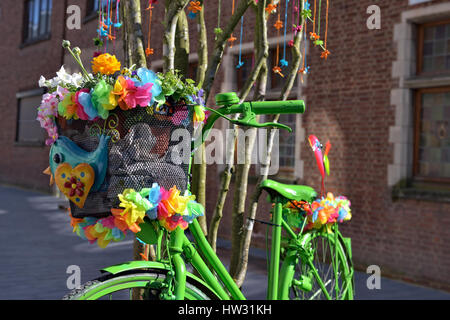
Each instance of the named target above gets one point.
<point>105,64</point>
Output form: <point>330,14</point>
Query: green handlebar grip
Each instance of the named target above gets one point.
<point>276,107</point>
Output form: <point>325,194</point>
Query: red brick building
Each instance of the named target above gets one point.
<point>382,98</point>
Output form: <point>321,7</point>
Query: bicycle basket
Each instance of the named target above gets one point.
<point>142,150</point>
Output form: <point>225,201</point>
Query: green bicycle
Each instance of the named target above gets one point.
<point>303,264</point>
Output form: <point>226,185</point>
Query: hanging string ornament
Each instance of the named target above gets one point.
<point>194,8</point>
<point>283,62</point>
<point>232,38</point>
<point>306,14</point>
<point>241,63</point>
<point>316,37</point>
<point>278,25</point>
<point>218,31</point>
<point>271,8</point>
<point>295,28</point>
<point>326,53</point>
<point>101,32</point>
<point>150,51</point>
<point>117,24</point>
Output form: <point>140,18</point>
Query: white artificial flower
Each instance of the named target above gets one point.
<point>63,76</point>
<point>42,82</point>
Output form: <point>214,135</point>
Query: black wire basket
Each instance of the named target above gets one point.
<point>146,146</point>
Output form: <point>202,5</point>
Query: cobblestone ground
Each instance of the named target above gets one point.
<point>37,246</point>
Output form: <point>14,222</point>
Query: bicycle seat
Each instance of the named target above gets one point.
<point>289,191</point>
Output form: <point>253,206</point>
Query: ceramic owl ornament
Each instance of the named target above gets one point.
<point>77,171</point>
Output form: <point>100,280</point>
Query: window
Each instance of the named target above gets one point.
<point>432,105</point>
<point>37,20</point>
<point>287,141</point>
<point>93,6</point>
<point>432,138</point>
<point>434,48</point>
<point>275,81</point>
<point>29,130</point>
<point>244,71</point>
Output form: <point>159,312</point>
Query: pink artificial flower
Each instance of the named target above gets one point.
<point>137,95</point>
<point>80,109</point>
<point>144,95</point>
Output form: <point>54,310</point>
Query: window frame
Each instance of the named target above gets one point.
<point>417,127</point>
<point>91,14</point>
<point>420,46</point>
<point>19,96</point>
<point>46,35</point>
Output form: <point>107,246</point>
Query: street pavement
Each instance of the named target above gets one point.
<point>37,246</point>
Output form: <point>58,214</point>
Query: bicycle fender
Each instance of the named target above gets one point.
<point>142,265</point>
<point>134,265</point>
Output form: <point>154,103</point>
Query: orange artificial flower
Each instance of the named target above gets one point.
<point>105,64</point>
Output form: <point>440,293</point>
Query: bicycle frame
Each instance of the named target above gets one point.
<point>226,288</point>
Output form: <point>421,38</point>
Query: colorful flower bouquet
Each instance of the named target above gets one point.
<point>111,145</point>
<point>323,212</point>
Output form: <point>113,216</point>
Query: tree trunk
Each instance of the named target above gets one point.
<point>247,233</point>
<point>241,183</point>
<point>133,43</point>
<point>182,51</point>
<point>173,9</point>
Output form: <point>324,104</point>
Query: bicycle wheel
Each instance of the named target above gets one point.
<point>121,287</point>
<point>329,275</point>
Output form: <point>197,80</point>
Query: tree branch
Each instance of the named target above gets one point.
<point>173,9</point>
<point>220,44</point>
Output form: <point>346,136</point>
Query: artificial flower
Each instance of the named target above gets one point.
<point>105,64</point>
<point>47,112</point>
<point>69,79</point>
<point>67,108</point>
<point>85,108</point>
<point>103,99</point>
<point>120,90</point>
<point>148,76</point>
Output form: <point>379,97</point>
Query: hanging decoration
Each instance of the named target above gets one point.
<point>321,160</point>
<point>271,8</point>
<point>194,8</point>
<point>241,63</point>
<point>283,62</point>
<point>326,53</point>
<point>232,38</point>
<point>218,31</point>
<point>278,25</point>
<point>315,17</point>
<point>150,51</point>
<point>106,29</point>
<point>295,20</point>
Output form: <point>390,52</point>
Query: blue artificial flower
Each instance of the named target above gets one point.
<point>84,98</point>
<point>307,5</point>
<point>239,65</point>
<point>192,15</point>
<point>198,98</point>
<point>148,76</point>
<point>154,197</point>
<point>117,234</point>
<point>284,63</point>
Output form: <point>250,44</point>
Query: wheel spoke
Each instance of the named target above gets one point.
<point>331,267</point>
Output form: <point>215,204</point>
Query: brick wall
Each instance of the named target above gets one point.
<point>348,102</point>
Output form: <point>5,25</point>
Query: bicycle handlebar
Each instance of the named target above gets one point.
<point>278,107</point>
<point>249,110</point>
